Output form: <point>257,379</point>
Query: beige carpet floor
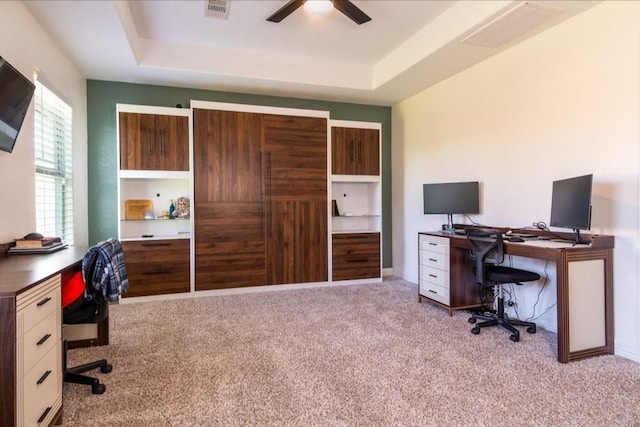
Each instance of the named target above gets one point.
<point>359,355</point>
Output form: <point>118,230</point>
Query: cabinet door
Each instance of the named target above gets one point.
<point>343,151</point>
<point>230,245</point>
<point>137,141</point>
<point>157,267</point>
<point>296,199</point>
<point>229,211</point>
<point>367,152</point>
<point>171,143</point>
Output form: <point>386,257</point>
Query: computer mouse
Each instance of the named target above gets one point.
<point>515,239</point>
<point>33,236</point>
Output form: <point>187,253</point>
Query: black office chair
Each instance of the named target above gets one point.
<point>487,249</point>
<point>89,308</point>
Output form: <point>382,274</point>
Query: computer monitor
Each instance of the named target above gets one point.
<point>571,204</point>
<point>451,198</point>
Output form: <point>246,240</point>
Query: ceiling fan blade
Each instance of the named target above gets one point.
<point>285,10</point>
<point>352,11</point>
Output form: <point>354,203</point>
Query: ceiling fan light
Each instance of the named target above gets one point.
<point>318,7</point>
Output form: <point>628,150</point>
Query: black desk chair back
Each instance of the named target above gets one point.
<point>487,249</point>
<point>90,308</point>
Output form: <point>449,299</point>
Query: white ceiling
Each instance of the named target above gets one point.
<point>405,48</point>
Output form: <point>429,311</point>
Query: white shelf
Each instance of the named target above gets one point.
<point>356,178</point>
<point>153,174</point>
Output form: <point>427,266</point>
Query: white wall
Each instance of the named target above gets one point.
<point>25,45</point>
<point>561,104</point>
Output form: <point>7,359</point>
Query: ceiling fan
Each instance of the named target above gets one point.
<point>345,6</point>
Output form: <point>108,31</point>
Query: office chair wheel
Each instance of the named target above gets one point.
<point>471,320</point>
<point>106,368</point>
<point>531,329</point>
<point>514,337</point>
<point>475,330</point>
<point>98,388</point>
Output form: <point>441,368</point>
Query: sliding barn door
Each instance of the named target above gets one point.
<point>228,210</point>
<point>295,182</point>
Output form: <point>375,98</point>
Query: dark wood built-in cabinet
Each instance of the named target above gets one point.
<point>157,267</point>
<point>260,184</point>
<point>154,142</point>
<point>154,170</point>
<point>355,151</point>
<point>356,190</point>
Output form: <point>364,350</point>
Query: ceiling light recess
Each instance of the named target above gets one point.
<point>511,24</point>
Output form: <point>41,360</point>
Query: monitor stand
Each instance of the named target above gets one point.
<point>450,228</point>
<point>577,240</point>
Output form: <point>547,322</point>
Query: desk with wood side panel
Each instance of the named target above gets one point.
<point>31,335</point>
<point>584,287</point>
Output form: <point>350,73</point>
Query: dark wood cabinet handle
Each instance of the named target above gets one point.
<point>161,151</point>
<point>155,244</point>
<point>149,142</point>
<point>269,211</point>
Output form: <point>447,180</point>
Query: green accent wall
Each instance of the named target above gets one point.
<point>102,97</point>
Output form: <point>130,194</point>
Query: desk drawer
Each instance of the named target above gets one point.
<point>41,389</point>
<point>40,340</point>
<point>434,292</point>
<point>434,244</point>
<point>39,302</point>
<point>434,260</point>
<point>435,276</point>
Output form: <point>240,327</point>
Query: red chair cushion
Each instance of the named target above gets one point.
<point>72,289</point>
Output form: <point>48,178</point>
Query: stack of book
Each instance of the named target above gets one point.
<point>38,246</point>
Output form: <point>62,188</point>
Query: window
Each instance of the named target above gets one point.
<point>54,178</point>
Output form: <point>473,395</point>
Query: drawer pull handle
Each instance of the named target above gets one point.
<point>44,339</point>
<point>156,244</point>
<point>433,292</point>
<point>433,275</point>
<point>44,301</point>
<point>44,414</point>
<point>43,377</point>
<point>433,260</point>
<point>153,273</point>
<point>433,244</point>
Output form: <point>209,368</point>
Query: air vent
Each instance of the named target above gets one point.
<point>512,24</point>
<point>218,9</point>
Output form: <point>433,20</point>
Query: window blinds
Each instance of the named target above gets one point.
<point>53,160</point>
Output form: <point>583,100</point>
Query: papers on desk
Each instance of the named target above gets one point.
<point>551,244</point>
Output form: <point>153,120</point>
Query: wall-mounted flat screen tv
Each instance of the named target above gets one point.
<point>16,92</point>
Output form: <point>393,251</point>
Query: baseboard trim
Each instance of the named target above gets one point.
<point>247,290</point>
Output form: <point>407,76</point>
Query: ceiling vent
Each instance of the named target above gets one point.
<point>218,9</point>
<point>511,24</point>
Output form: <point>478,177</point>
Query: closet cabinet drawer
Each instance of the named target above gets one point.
<point>356,256</point>
<point>157,267</point>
